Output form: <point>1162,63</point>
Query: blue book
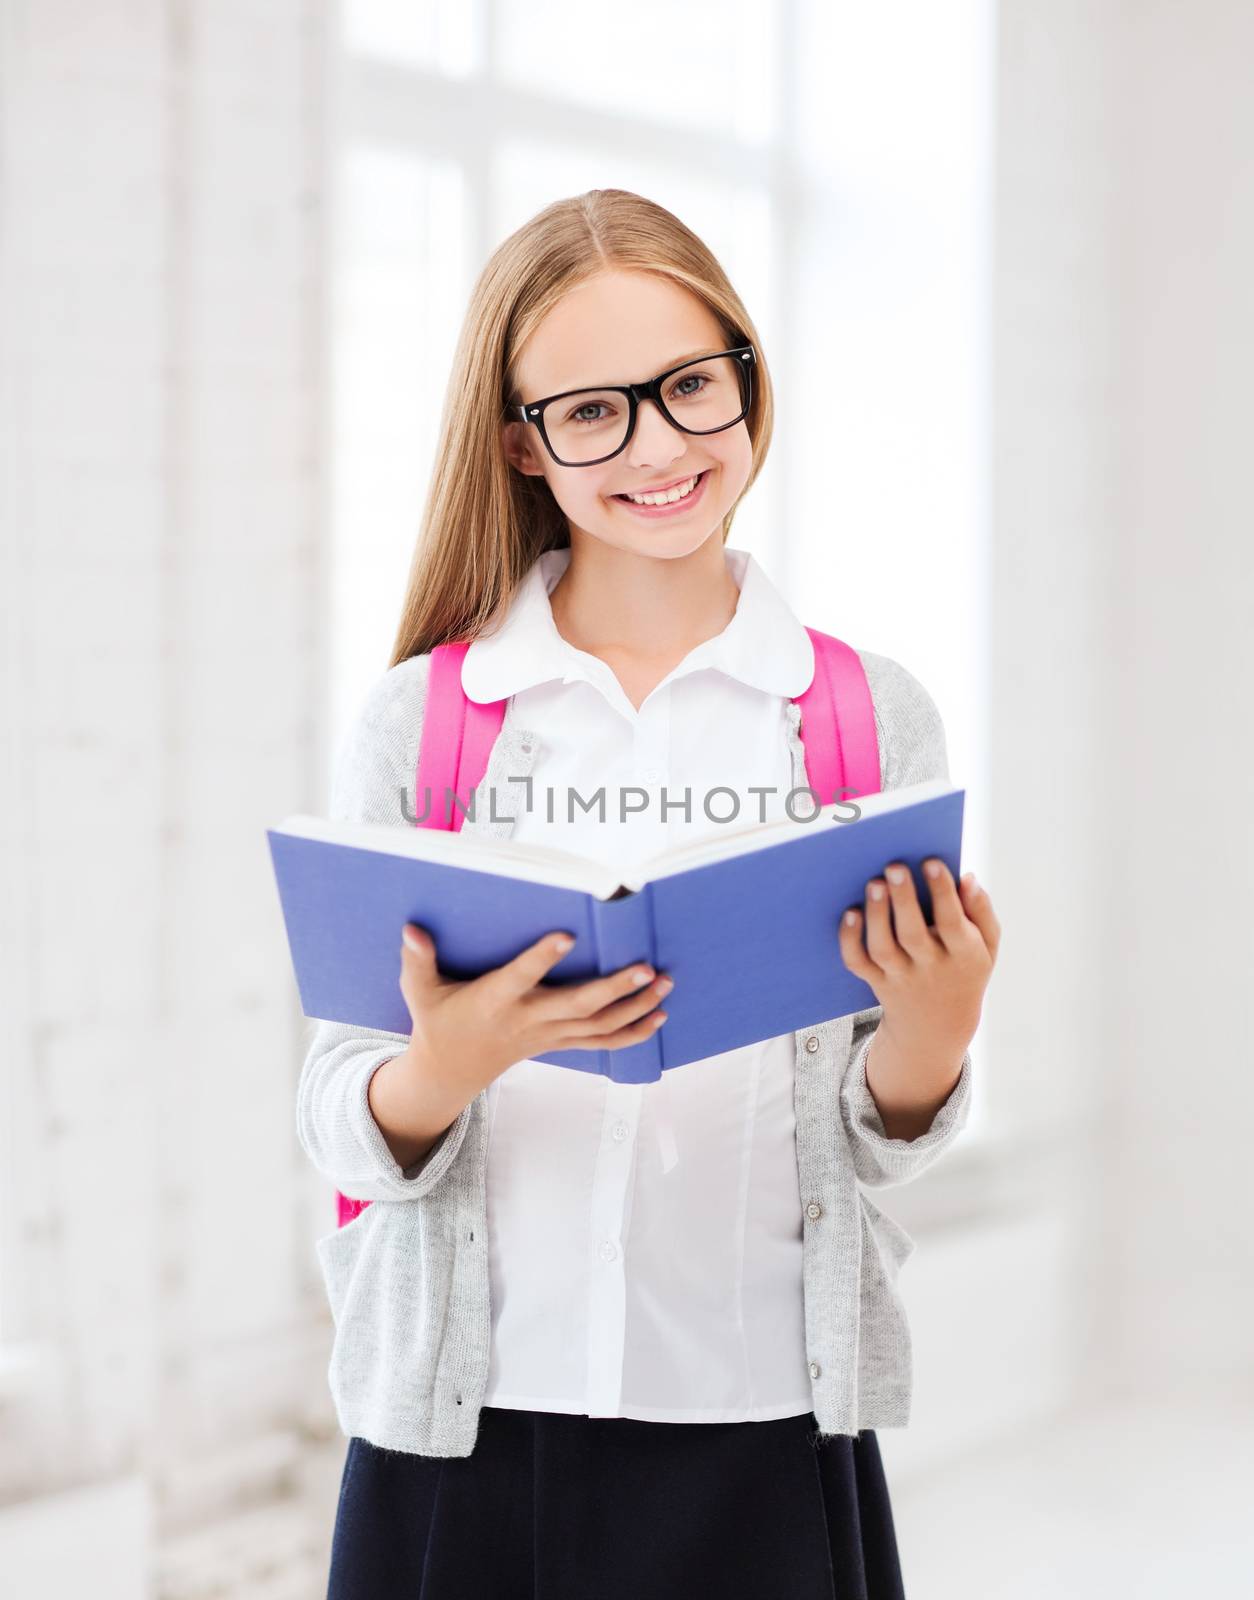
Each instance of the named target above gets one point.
<point>746,922</point>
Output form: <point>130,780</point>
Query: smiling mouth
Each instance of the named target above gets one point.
<point>694,482</point>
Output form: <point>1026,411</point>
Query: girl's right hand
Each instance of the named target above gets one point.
<point>476,1029</point>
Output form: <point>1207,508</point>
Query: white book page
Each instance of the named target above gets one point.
<point>536,863</point>
<point>762,835</point>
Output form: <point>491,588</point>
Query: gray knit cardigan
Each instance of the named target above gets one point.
<point>407,1279</point>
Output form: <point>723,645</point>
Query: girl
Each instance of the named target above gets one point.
<point>598,1339</point>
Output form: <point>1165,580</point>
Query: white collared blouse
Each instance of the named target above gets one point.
<point>657,1226</point>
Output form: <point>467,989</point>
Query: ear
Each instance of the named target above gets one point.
<point>519,448</point>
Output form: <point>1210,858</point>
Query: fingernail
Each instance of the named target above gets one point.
<point>850,918</point>
<point>411,939</point>
<point>641,975</point>
<point>932,868</point>
<point>970,882</point>
<point>896,874</point>
<point>563,942</point>
<point>876,891</point>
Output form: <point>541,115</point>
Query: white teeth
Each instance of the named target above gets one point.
<point>669,498</point>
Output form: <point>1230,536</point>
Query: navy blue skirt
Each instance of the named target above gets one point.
<point>551,1506</point>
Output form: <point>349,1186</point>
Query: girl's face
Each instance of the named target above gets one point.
<point>626,327</point>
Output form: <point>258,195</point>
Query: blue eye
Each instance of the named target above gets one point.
<point>690,377</point>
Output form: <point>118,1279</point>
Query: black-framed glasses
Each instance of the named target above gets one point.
<point>583,427</point>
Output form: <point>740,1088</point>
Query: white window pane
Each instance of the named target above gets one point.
<point>888,413</point>
<point>706,65</point>
<point>440,35</point>
<point>895,91</point>
<point>401,270</point>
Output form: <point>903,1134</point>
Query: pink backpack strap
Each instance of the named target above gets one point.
<point>838,723</point>
<point>457,738</point>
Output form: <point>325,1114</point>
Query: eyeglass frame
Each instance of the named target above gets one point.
<point>533,411</point>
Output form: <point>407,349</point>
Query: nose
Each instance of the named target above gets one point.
<point>655,440</point>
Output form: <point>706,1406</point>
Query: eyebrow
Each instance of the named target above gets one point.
<point>692,355</point>
<point>675,361</point>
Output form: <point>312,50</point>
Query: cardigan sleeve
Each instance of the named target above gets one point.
<point>373,782</point>
<point>912,750</point>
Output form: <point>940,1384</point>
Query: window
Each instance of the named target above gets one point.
<point>837,158</point>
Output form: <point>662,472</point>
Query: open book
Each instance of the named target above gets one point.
<point>746,921</point>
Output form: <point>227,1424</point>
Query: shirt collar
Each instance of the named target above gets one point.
<point>764,645</point>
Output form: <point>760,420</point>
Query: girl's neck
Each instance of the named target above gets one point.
<point>633,609</point>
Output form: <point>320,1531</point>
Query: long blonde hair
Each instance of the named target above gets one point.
<point>485,523</point>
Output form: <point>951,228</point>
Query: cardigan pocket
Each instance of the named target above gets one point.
<point>338,1255</point>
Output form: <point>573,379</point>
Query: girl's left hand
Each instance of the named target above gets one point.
<point>930,981</point>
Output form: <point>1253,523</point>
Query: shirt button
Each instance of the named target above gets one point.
<point>608,1250</point>
<point>815,1369</point>
<point>525,748</point>
<point>814,1209</point>
<point>812,1043</point>
<point>621,1130</point>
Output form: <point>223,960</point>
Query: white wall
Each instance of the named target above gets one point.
<point>1108,1262</point>
<point>162,696</point>
<point>1177,847</point>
